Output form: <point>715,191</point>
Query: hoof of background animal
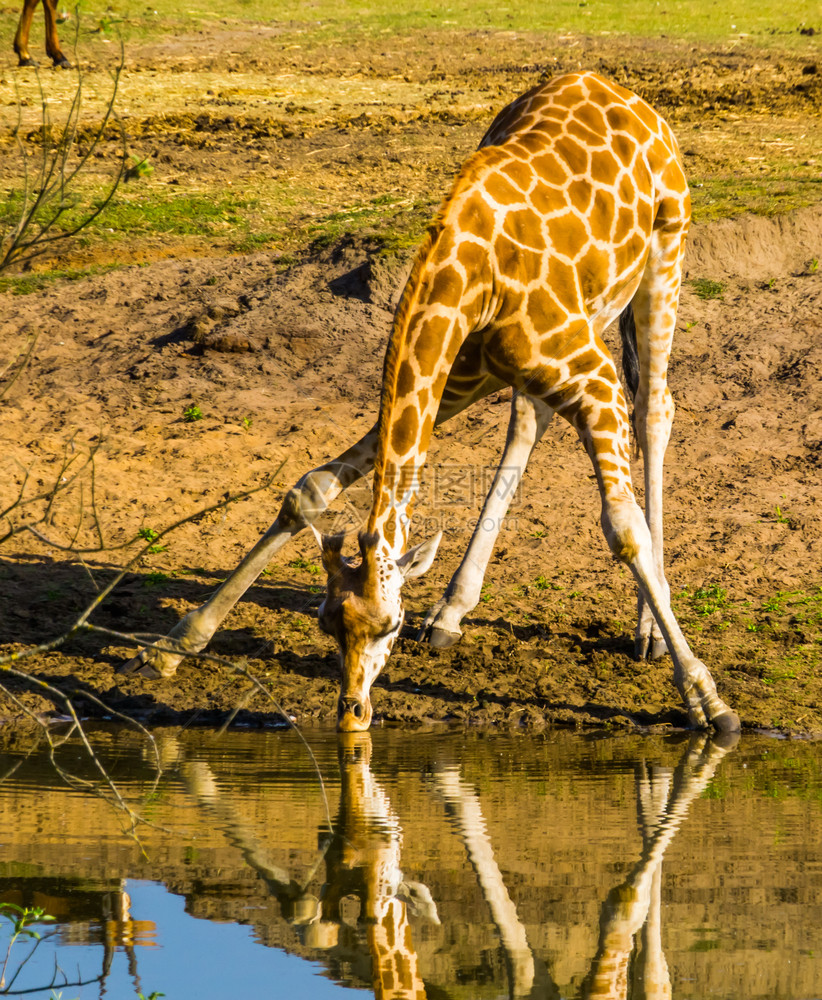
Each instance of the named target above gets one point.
<point>438,638</point>
<point>62,63</point>
<point>727,722</point>
<point>136,667</point>
<point>28,62</point>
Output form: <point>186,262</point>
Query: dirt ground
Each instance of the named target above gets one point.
<point>281,355</point>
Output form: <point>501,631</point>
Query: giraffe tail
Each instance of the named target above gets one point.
<point>630,361</point>
<point>630,356</point>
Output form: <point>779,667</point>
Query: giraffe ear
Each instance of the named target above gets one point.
<point>416,561</point>
<point>317,536</point>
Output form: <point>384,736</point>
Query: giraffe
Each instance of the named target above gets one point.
<point>573,210</point>
<point>21,38</point>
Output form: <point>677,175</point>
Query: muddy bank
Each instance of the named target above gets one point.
<point>284,367</point>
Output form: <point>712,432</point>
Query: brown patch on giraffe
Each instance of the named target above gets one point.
<point>579,194</point>
<point>502,191</point>
<point>447,286</point>
<point>625,221</point>
<point>406,378</point>
<point>625,148</point>
<point>602,213</point>
<point>604,167</point>
<point>544,311</point>
<point>524,227</point>
<point>593,269</point>
<point>562,280</point>
<point>528,145</point>
<point>600,391</point>
<point>516,263</point>
<point>574,154</point>
<point>473,257</point>
<point>476,217</point>
<point>569,97</point>
<point>586,363</point>
<point>428,345</point>
<point>593,119</point>
<point>568,235</point>
<point>547,199</point>
<point>584,134</point>
<point>519,173</point>
<point>626,191</point>
<point>606,423</point>
<point>510,348</point>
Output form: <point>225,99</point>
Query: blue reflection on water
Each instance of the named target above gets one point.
<point>212,961</point>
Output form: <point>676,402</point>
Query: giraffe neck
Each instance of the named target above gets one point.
<point>432,320</point>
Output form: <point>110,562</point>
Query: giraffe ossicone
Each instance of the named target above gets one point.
<point>573,211</point>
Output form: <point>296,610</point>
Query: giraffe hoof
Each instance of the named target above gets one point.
<point>438,638</point>
<point>658,648</point>
<point>726,722</point>
<point>136,667</point>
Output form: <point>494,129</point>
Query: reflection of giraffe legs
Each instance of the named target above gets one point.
<point>637,901</point>
<point>464,806</point>
<point>529,419</point>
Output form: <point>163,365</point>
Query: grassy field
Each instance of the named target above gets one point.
<point>251,128</point>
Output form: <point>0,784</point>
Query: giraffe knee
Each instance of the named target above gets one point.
<point>625,531</point>
<point>624,545</point>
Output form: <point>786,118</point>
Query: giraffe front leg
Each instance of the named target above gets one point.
<point>301,506</point>
<point>529,419</point>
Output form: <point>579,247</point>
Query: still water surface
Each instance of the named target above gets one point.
<point>431,864</point>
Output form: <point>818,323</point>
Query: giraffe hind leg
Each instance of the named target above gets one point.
<point>629,538</point>
<point>651,319</point>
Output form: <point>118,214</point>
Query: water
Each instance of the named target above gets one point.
<point>441,864</point>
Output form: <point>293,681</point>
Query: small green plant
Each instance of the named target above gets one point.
<point>138,168</point>
<point>247,422</point>
<point>301,563</point>
<point>150,535</point>
<point>691,324</point>
<point>21,919</point>
<point>813,265</point>
<point>191,413</point>
<point>155,579</point>
<point>538,533</point>
<point>704,288</point>
<point>706,600</point>
<point>781,517</point>
<point>543,583</point>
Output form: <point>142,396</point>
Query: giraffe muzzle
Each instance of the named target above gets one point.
<point>353,715</point>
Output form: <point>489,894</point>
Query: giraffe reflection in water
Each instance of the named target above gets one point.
<point>362,858</point>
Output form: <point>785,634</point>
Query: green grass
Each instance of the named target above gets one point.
<point>705,288</point>
<point>339,21</point>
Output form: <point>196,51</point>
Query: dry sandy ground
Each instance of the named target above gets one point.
<point>284,365</point>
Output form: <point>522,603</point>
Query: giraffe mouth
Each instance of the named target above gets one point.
<point>353,715</point>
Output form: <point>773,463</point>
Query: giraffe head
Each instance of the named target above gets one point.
<point>363,611</point>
